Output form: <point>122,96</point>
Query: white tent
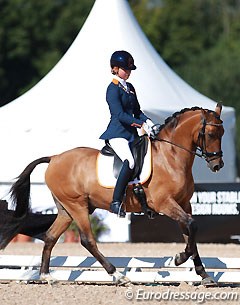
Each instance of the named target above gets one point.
<point>67,108</point>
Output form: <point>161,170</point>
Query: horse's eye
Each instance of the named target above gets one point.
<point>211,135</point>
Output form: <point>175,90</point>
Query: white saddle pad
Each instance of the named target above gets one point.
<point>104,169</point>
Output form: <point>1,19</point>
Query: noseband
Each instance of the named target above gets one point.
<point>202,148</point>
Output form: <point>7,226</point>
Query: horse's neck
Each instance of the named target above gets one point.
<point>183,133</point>
<point>179,145</point>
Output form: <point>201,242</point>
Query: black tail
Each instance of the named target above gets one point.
<point>20,195</point>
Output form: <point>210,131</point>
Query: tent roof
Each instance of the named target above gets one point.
<point>78,82</point>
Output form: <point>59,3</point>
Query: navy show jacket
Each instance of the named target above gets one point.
<point>125,111</point>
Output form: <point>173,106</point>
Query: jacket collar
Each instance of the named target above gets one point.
<point>117,80</point>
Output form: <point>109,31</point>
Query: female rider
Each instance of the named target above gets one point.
<point>126,117</point>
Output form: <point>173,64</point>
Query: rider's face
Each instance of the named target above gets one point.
<point>124,74</point>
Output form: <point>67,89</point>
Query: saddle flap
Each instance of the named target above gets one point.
<point>139,149</point>
<point>107,150</point>
<point>108,166</point>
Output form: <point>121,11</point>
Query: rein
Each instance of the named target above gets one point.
<point>180,146</point>
<point>203,151</point>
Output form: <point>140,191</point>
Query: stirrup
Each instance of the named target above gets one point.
<point>116,208</point>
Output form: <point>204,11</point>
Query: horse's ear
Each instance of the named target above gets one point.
<point>218,109</point>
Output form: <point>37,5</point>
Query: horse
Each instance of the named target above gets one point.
<point>71,178</point>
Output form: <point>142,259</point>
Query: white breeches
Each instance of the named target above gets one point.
<point>122,149</point>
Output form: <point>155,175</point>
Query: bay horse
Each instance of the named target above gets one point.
<point>71,178</point>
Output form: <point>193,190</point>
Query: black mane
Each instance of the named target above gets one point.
<point>171,119</point>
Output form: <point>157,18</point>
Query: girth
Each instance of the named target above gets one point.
<point>138,148</point>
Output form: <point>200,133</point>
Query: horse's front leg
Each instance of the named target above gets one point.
<point>189,235</point>
<point>175,211</point>
<point>200,270</point>
<point>189,229</point>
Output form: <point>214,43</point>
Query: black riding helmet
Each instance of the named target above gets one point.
<point>122,59</point>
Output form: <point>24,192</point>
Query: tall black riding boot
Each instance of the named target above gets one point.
<point>119,191</point>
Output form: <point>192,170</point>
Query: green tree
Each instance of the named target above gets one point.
<point>33,37</point>
<point>200,40</point>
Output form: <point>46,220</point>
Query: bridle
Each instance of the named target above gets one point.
<point>208,156</point>
<point>201,136</point>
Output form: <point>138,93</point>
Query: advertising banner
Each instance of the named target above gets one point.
<point>216,209</point>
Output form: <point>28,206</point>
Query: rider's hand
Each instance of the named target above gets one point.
<point>147,126</point>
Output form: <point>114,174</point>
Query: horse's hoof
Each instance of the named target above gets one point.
<point>209,282</point>
<point>47,278</point>
<point>180,258</point>
<point>120,279</point>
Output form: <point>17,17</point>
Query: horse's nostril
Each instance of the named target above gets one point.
<point>216,168</point>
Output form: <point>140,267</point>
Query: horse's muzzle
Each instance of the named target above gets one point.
<point>216,165</point>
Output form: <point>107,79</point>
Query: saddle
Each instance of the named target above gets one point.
<point>138,148</point>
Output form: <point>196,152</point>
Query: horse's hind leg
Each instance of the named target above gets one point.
<point>81,217</point>
<point>59,226</point>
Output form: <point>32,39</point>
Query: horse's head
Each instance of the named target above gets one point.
<point>202,127</point>
<point>210,137</point>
